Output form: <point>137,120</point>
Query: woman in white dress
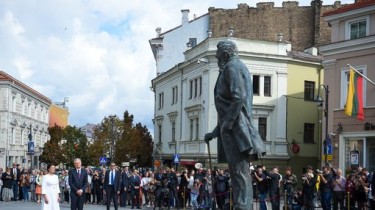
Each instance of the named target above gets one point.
<point>50,190</point>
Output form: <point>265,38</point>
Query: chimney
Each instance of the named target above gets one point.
<point>185,16</point>
<point>158,31</point>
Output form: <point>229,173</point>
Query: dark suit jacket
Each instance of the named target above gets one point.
<point>117,180</point>
<point>76,183</point>
<point>125,180</point>
<point>18,173</point>
<point>135,181</point>
<point>233,101</point>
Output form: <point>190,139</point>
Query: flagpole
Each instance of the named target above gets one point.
<point>373,83</point>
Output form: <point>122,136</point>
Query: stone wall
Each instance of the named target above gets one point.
<point>265,22</point>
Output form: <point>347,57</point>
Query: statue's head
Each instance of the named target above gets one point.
<point>225,50</point>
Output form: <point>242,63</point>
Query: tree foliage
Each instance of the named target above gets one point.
<point>113,137</point>
<point>76,146</point>
<point>52,150</point>
<point>128,141</point>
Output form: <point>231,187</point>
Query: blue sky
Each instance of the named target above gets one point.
<point>94,52</point>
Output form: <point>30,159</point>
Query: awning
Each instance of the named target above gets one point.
<point>187,162</point>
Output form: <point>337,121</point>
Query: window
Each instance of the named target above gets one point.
<point>161,100</point>
<point>191,89</point>
<point>159,133</point>
<point>357,28</point>
<point>267,86</point>
<point>174,95</point>
<point>22,142</point>
<point>308,133</point>
<point>194,128</point>
<point>256,85</point>
<point>200,86</point>
<point>173,131</point>
<point>309,91</point>
<point>197,128</point>
<point>195,88</point>
<point>191,129</point>
<point>193,42</point>
<point>13,136</point>
<point>262,128</point>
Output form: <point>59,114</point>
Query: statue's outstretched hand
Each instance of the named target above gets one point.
<point>208,137</point>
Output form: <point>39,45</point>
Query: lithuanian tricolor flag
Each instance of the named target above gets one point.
<point>354,100</point>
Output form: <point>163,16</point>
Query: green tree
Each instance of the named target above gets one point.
<point>135,142</point>
<point>127,140</point>
<point>76,146</point>
<point>123,147</point>
<point>105,137</point>
<point>145,146</point>
<point>52,150</point>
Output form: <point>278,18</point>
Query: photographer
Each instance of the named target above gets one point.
<point>361,190</point>
<point>274,180</point>
<point>290,181</point>
<point>221,188</point>
<point>308,186</point>
<point>326,184</point>
<point>173,186</point>
<point>97,187</point>
<point>262,186</point>
<point>200,175</point>
<point>183,192</point>
<point>298,199</point>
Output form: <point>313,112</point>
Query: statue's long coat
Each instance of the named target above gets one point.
<point>233,100</point>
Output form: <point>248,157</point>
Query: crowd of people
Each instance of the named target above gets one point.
<point>327,188</point>
<point>196,189</point>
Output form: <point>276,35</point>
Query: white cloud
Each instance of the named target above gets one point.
<point>94,52</point>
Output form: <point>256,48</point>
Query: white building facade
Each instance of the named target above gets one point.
<point>184,100</point>
<point>22,111</point>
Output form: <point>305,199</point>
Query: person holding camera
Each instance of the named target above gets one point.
<point>290,182</point>
<point>183,186</point>
<point>298,200</point>
<point>221,188</point>
<point>97,187</point>
<point>308,188</point>
<point>262,186</point>
<point>274,182</point>
<point>326,185</point>
<point>173,186</point>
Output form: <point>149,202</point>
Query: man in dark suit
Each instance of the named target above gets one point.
<point>16,173</point>
<point>124,186</point>
<point>112,185</point>
<point>135,185</point>
<point>77,183</point>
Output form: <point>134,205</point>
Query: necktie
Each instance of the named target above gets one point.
<point>112,178</point>
<point>79,173</point>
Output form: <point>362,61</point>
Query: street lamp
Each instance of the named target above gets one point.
<point>113,129</point>
<point>327,140</point>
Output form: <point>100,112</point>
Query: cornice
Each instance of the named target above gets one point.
<point>348,46</point>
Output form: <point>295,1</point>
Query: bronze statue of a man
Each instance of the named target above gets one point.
<point>233,95</point>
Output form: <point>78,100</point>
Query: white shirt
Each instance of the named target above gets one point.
<point>110,177</point>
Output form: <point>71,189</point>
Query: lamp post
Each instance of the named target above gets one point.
<point>113,127</point>
<point>30,147</point>
<point>327,140</point>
